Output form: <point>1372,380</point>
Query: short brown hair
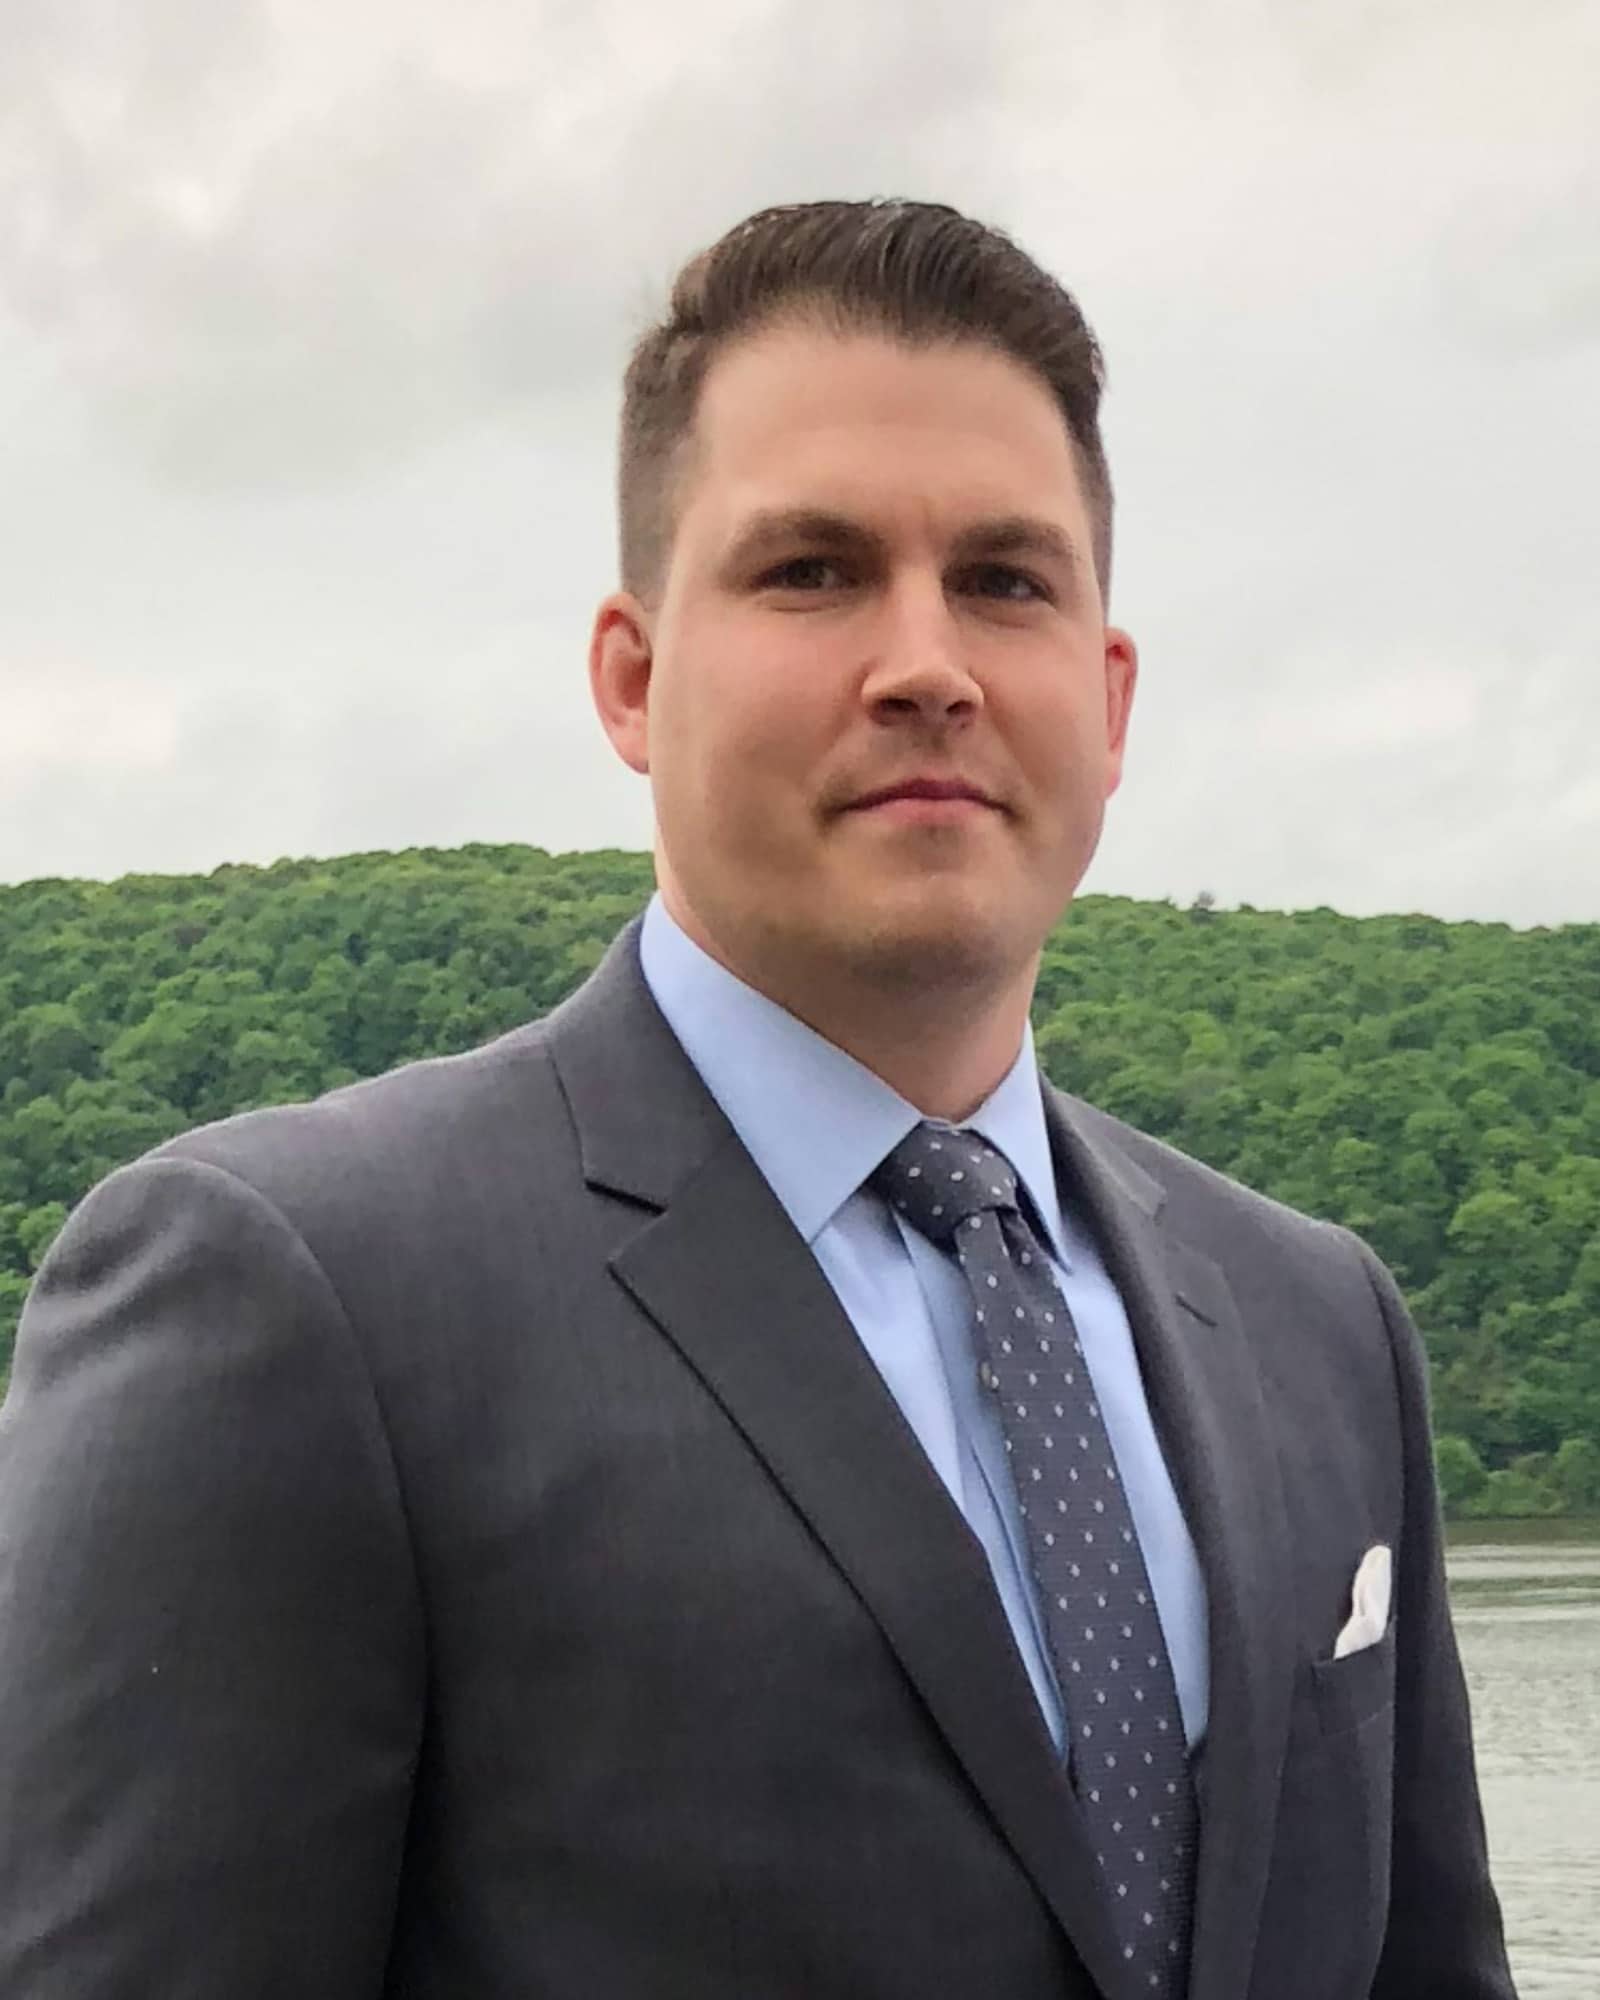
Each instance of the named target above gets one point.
<point>917,271</point>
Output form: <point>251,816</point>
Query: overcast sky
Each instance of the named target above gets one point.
<point>312,319</point>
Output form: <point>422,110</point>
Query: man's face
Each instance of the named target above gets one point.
<point>797,669</point>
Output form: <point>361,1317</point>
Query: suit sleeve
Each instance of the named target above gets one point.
<point>210,1642</point>
<point>1444,1939</point>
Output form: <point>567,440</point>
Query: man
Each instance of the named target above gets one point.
<point>740,1488</point>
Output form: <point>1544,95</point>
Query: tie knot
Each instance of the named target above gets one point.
<point>939,1177</point>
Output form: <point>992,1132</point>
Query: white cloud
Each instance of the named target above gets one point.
<point>59,717</point>
<point>1353,706</point>
<point>312,321</point>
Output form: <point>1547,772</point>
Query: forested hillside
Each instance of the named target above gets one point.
<point>1435,1086</point>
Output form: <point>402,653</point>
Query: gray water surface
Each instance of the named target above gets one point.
<point>1526,1598</point>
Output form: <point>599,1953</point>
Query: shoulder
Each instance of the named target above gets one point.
<point>1322,1312</point>
<point>393,1154</point>
<point>1246,1231</point>
<point>1186,1186</point>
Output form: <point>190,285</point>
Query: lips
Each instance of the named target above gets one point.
<point>924,788</point>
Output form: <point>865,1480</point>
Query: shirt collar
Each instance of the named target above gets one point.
<point>815,1121</point>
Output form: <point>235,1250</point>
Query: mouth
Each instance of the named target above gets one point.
<point>927,798</point>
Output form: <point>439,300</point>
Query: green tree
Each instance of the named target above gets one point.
<point>1462,1476</point>
<point>1434,1086</point>
<point>1575,1475</point>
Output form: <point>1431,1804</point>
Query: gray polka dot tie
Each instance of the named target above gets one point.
<point>1128,1758</point>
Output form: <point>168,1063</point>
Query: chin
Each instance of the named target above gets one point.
<point>946,940</point>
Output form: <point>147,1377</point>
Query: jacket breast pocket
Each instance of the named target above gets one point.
<point>1348,1692</point>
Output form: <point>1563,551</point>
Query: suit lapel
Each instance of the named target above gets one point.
<point>1206,1398</point>
<point>723,1274</point>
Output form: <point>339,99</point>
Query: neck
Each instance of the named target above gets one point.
<point>945,1060</point>
<point>944,1045</point>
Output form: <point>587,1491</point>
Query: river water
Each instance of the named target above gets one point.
<point>1526,1597</point>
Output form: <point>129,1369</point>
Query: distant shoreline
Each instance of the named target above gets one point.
<point>1523,1529</point>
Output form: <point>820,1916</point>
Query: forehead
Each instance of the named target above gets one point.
<point>794,414</point>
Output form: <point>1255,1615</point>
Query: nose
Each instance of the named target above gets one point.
<point>918,667</point>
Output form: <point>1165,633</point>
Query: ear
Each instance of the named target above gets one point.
<point>620,659</point>
<point>1122,674</point>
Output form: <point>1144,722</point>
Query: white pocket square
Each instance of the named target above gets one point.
<point>1369,1603</point>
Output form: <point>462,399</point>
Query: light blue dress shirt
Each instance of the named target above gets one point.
<point>817,1122</point>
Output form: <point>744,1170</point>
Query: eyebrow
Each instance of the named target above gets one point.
<point>1007,534</point>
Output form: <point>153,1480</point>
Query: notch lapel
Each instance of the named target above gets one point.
<point>1206,1398</point>
<point>722,1272</point>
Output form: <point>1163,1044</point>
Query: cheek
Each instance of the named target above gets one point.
<point>766,714</point>
<point>732,745</point>
<point>1060,735</point>
<point>1065,759</point>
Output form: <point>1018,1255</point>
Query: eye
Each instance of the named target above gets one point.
<point>1035,589</point>
<point>790,575</point>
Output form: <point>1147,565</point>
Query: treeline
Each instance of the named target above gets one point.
<point>1434,1086</point>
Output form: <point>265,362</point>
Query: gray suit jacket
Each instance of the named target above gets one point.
<point>453,1545</point>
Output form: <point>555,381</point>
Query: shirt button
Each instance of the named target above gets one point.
<point>987,1376</point>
